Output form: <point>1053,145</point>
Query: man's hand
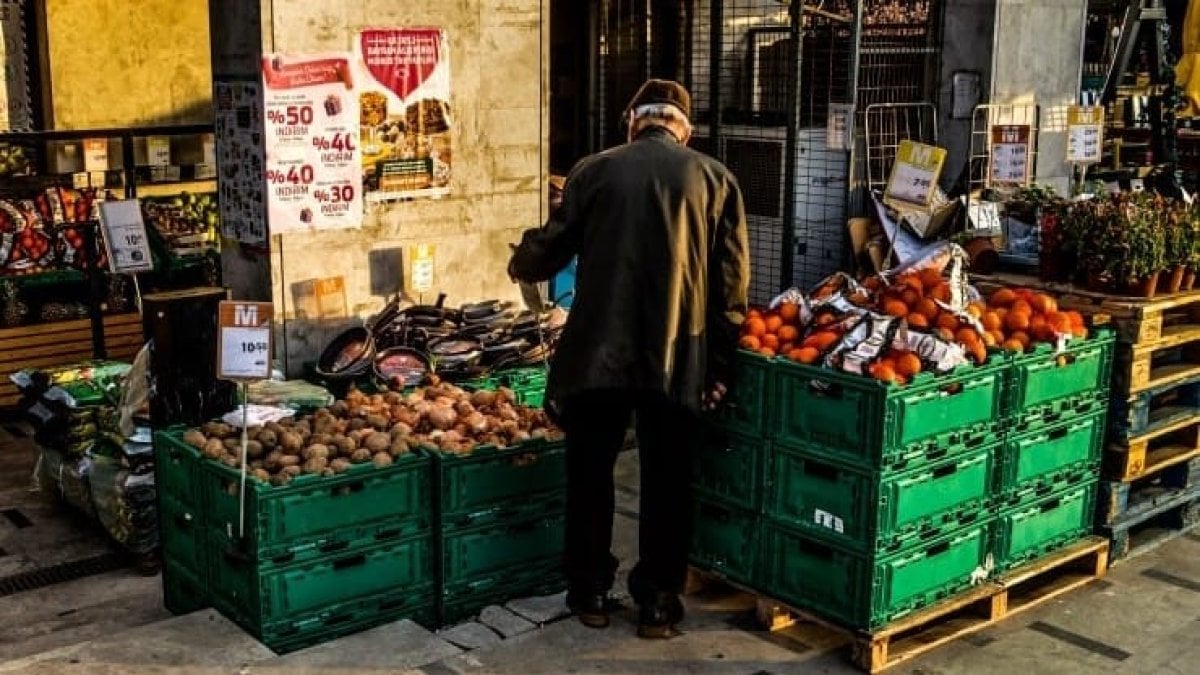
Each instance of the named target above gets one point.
<point>714,396</point>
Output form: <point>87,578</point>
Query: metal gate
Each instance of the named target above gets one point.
<point>767,77</point>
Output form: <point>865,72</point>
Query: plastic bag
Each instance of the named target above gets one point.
<point>67,477</point>
<point>292,394</point>
<point>125,502</point>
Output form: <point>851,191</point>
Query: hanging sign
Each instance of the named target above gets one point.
<point>1011,154</point>
<point>839,130</point>
<point>312,156</point>
<point>124,233</point>
<point>404,113</point>
<point>245,339</point>
<point>421,270</point>
<point>1085,134</point>
<point>915,172</point>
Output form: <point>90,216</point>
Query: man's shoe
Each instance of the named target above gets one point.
<point>591,608</point>
<point>657,619</point>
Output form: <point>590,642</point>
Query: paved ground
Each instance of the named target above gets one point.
<point>1142,619</point>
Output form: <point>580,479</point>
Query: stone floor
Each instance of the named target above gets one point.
<point>1142,618</point>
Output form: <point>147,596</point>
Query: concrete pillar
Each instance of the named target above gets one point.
<point>499,79</point>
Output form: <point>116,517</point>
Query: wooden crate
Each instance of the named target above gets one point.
<point>1173,514</point>
<point>1166,446</point>
<point>968,612</point>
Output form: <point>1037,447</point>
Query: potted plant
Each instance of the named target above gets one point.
<point>1143,253</point>
<point>1178,242</point>
<point>1090,233</point>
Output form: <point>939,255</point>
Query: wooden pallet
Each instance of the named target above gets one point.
<point>1136,320</point>
<point>1129,502</point>
<point>1169,518</point>
<point>1164,447</point>
<point>968,612</point>
<point>1172,359</point>
<point>1150,411</point>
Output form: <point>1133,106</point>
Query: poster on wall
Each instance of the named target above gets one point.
<point>312,153</point>
<point>403,86</point>
<point>15,100</point>
<point>238,121</point>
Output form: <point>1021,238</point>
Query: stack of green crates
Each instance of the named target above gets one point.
<point>1055,421</point>
<point>319,558</point>
<point>501,528</point>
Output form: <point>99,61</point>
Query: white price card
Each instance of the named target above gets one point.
<point>246,342</point>
<point>1085,134</point>
<point>158,150</point>
<point>422,268</point>
<point>1011,154</point>
<point>915,173</point>
<point>124,234</point>
<point>95,154</point>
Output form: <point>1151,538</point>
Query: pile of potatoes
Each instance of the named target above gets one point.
<point>375,429</point>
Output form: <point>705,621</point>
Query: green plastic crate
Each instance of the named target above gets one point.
<point>1040,458</point>
<point>416,604</point>
<point>489,485</point>
<point>184,591</point>
<point>183,536</point>
<point>261,598</point>
<point>729,467</point>
<point>865,591</point>
<point>726,540</point>
<point>1038,528</point>
<point>872,512</point>
<point>501,547</point>
<point>858,420</point>
<point>529,384</point>
<point>177,469</point>
<point>315,512</point>
<point>463,600</point>
<point>1045,375</point>
<point>747,409</point>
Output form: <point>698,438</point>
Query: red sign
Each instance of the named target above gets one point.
<point>402,59</point>
<point>280,75</point>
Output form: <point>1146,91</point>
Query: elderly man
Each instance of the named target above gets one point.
<point>661,289</point>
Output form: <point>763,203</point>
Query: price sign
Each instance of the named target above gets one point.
<point>246,341</point>
<point>1085,134</point>
<point>422,268</point>
<point>124,234</point>
<point>1011,154</point>
<point>915,172</point>
<point>95,154</point>
<point>331,297</point>
<point>158,150</point>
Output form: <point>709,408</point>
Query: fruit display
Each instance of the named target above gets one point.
<point>187,221</point>
<point>921,318</point>
<point>375,429</point>
<point>14,161</point>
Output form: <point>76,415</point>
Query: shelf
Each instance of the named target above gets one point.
<point>175,188</point>
<point>50,278</point>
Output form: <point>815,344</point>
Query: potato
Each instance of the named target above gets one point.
<point>316,465</point>
<point>519,436</point>
<point>289,460</point>
<point>291,442</point>
<point>442,417</point>
<point>321,439</point>
<point>378,422</point>
<point>316,451</point>
<point>399,447</point>
<point>254,449</point>
<point>392,398</point>
<point>378,442</point>
<point>483,398</point>
<point>280,479</point>
<point>214,449</point>
<point>234,445</point>
<point>328,473</point>
<point>401,429</point>
<point>231,461</point>
<point>303,427</point>
<point>274,427</point>
<point>381,459</point>
<point>340,465</point>
<point>345,444</point>
<point>217,429</point>
<point>262,475</point>
<point>357,423</point>
<point>361,456</point>
<point>292,471</point>
<point>339,409</point>
<point>272,461</point>
<point>195,439</point>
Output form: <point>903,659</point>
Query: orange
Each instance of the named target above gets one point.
<point>941,292</point>
<point>948,321</point>
<point>991,321</point>
<point>975,309</point>
<point>908,365</point>
<point>967,336</point>
<point>997,336</point>
<point>821,340</point>
<point>1075,318</point>
<point>1059,322</point>
<point>977,352</point>
<point>805,355</point>
<point>917,321</point>
<point>754,314</point>
<point>1014,345</point>
<point>1017,320</point>
<point>1041,330</point>
<point>895,308</point>
<point>873,283</point>
<point>989,339</point>
<point>946,334</point>
<point>767,352</point>
<point>750,342</point>
<point>787,333</point>
<point>1022,337</point>
<point>774,323</point>
<point>756,326</point>
<point>1002,298</point>
<point>884,372</point>
<point>913,282</point>
<point>789,312</point>
<point>930,278</point>
<point>1044,303</point>
<point>785,348</point>
<point>910,297</point>
<point>1079,332</point>
<point>1022,306</point>
<point>1001,312</point>
<point>771,341</point>
<point>929,308</point>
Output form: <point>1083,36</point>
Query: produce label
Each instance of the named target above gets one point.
<point>125,238</point>
<point>246,340</point>
<point>239,148</point>
<point>915,172</point>
<point>1085,134</point>
<point>403,77</point>
<point>1011,154</point>
<point>312,154</point>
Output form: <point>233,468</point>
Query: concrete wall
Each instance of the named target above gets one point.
<point>499,72</point>
<point>966,46</point>
<point>1037,58</point>
<point>117,63</point>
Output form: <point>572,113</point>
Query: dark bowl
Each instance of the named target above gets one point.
<point>348,356</point>
<point>405,364</point>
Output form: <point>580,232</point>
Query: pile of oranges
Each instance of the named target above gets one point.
<point>1018,319</point>
<point>777,333</point>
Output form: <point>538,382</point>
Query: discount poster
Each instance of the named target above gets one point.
<point>403,87</point>
<point>310,115</point>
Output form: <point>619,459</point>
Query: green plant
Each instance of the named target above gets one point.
<point>1180,234</point>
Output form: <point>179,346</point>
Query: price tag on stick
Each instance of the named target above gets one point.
<point>1085,134</point>
<point>246,341</point>
<point>915,173</point>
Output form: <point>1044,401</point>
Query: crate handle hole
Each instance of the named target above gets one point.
<point>937,549</point>
<point>815,550</point>
<point>332,546</point>
<point>943,471</point>
<point>823,389</point>
<point>387,534</point>
<point>823,471</point>
<point>284,559</point>
<point>952,390</point>
<point>352,561</point>
<point>1051,505</point>
<point>391,604</point>
<point>338,618</point>
<point>1057,434</point>
<point>348,488</point>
